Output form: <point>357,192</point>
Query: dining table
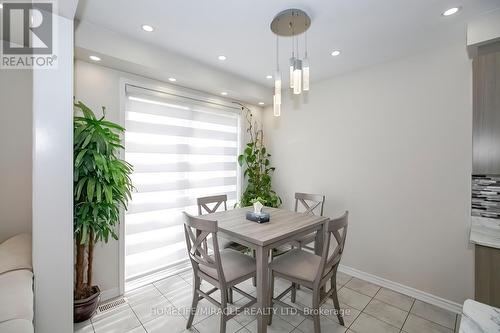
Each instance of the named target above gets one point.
<point>284,227</point>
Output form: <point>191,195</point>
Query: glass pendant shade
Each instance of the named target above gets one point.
<point>277,84</point>
<point>297,77</point>
<point>305,75</point>
<point>292,67</point>
<point>276,105</point>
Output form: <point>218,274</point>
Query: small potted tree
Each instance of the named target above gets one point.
<point>102,187</point>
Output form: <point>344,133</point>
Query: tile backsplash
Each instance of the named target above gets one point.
<point>486,196</point>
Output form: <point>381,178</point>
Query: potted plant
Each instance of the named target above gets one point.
<point>258,169</point>
<point>102,187</point>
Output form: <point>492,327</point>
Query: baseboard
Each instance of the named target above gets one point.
<point>400,288</point>
<point>109,294</point>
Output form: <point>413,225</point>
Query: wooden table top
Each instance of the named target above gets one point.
<point>283,224</point>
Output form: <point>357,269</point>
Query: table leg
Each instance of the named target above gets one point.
<point>262,289</point>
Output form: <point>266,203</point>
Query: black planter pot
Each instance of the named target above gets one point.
<point>84,309</point>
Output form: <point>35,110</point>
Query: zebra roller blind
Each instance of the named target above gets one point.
<point>181,149</point>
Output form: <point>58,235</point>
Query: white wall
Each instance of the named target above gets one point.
<point>99,86</point>
<point>53,188</point>
<point>15,151</point>
<point>392,144</point>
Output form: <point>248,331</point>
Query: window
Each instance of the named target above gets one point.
<point>181,148</point>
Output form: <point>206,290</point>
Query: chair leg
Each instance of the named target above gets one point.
<point>294,292</point>
<point>335,299</point>
<point>300,248</point>
<point>194,304</point>
<point>223,320</point>
<point>254,279</point>
<point>316,317</point>
<point>230,295</point>
<point>271,295</point>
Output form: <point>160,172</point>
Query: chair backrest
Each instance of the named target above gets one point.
<point>310,202</point>
<point>216,199</point>
<point>338,228</point>
<point>197,232</point>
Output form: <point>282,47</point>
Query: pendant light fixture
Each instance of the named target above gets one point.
<point>305,67</point>
<point>277,84</point>
<point>291,23</point>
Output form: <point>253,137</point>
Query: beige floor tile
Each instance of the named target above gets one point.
<point>246,317</point>
<point>368,324</point>
<point>395,299</point>
<point>387,313</point>
<point>303,297</point>
<point>353,298</point>
<point>343,278</point>
<point>363,287</point>
<point>172,284</point>
<point>116,321</point>
<point>152,308</point>
<point>143,294</point>
<point>212,325</point>
<point>204,310</point>
<point>182,299</point>
<point>139,329</point>
<point>415,324</point>
<point>278,326</point>
<point>170,324</point>
<point>281,285</point>
<point>350,313</point>
<point>326,324</point>
<point>289,314</point>
<point>83,327</point>
<point>434,314</point>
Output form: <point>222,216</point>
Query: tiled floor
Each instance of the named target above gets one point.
<point>369,309</point>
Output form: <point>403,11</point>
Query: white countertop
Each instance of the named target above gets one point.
<point>485,231</point>
<point>479,318</point>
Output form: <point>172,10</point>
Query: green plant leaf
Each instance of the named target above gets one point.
<point>90,189</point>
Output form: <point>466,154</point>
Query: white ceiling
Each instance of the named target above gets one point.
<point>366,31</point>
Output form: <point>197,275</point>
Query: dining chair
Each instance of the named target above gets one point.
<point>204,208</point>
<point>312,271</point>
<point>310,204</point>
<point>222,269</point>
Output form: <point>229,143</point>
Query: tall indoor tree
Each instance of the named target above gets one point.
<point>102,187</point>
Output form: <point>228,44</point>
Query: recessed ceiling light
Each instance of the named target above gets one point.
<point>94,58</point>
<point>222,57</point>
<point>269,77</point>
<point>224,93</point>
<point>261,103</point>
<point>147,28</point>
<point>335,53</point>
<point>451,11</point>
<point>172,79</point>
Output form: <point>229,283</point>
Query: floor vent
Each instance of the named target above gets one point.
<point>111,305</point>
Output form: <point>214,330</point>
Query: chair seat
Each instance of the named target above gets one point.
<point>307,239</point>
<point>234,265</point>
<point>297,264</point>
